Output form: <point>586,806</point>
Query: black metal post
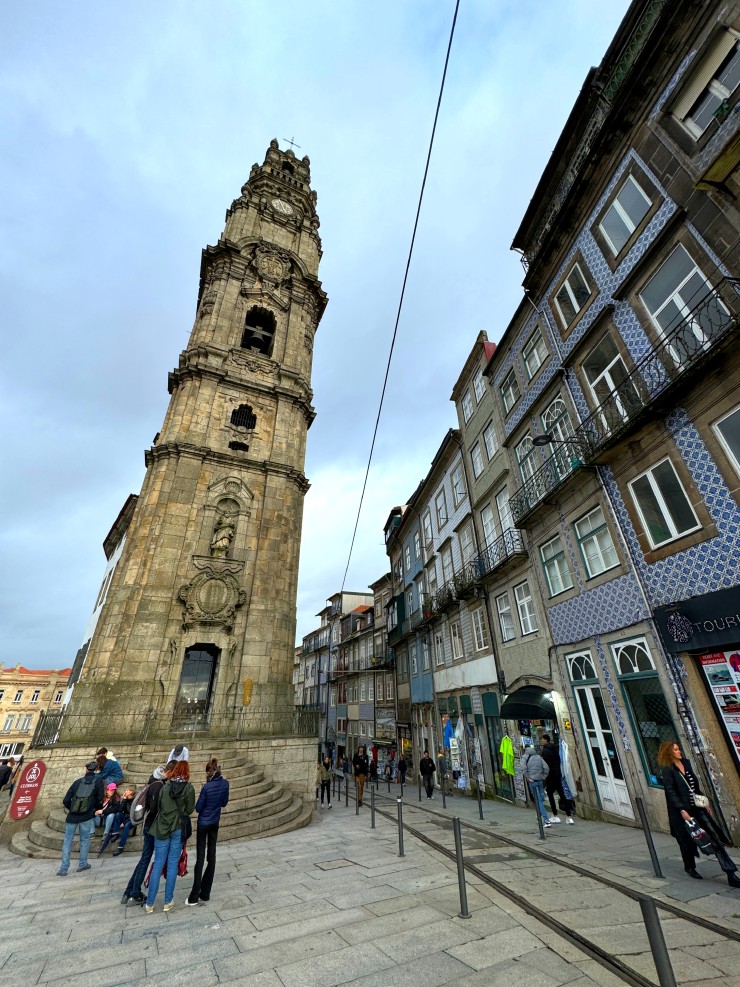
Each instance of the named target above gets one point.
<point>666,977</point>
<point>648,836</point>
<point>420,788</point>
<point>444,788</point>
<point>400,828</point>
<point>480,803</point>
<point>346,792</point>
<point>463,913</point>
<point>357,801</point>
<point>389,783</point>
<point>372,807</point>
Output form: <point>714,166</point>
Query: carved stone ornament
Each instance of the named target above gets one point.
<point>207,303</point>
<point>211,598</point>
<point>271,265</point>
<point>207,563</point>
<point>258,365</point>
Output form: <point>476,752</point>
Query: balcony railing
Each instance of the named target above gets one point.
<point>382,661</point>
<point>683,348</point>
<point>507,546</point>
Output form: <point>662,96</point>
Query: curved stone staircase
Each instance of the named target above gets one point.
<point>257,807</point>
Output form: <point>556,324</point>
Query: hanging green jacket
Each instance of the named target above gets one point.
<point>506,750</point>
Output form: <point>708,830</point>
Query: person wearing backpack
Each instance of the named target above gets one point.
<point>214,796</point>
<point>170,830</point>
<point>150,793</point>
<point>82,800</point>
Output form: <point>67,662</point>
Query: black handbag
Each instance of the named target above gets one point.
<point>700,836</point>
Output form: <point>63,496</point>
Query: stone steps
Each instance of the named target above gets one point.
<point>257,807</point>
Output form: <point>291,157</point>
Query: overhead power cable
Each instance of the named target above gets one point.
<point>403,289</point>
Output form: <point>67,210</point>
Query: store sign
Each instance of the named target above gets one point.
<point>722,672</point>
<point>27,790</point>
<point>703,623</point>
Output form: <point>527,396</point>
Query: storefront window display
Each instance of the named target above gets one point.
<point>721,671</point>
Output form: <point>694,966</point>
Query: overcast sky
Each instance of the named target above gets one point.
<point>128,129</point>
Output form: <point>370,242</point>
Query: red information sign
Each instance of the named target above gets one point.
<point>27,789</point>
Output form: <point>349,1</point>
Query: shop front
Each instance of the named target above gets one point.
<point>704,632</point>
<point>526,713</point>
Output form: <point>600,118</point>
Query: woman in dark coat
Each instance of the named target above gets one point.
<point>681,790</point>
<point>214,796</point>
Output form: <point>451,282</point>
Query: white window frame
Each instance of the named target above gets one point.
<point>476,460</point>
<point>479,386</point>
<point>534,353</point>
<point>467,543</point>
<point>425,663</point>
<point>456,640</point>
<point>505,617</point>
<point>480,631</point>
<point>458,485</point>
<point>440,503</point>
<point>732,455</point>
<point>409,602</point>
<point>371,689</point>
<point>439,648</point>
<point>660,499</point>
<point>506,518</point>
<point>333,697</point>
<point>35,696</point>
<point>390,687</point>
<point>555,565</point>
<point>684,306</point>
<point>467,407</point>
<point>363,690</point>
<point>413,660</point>
<point>703,81</point>
<point>488,523</point>
<point>18,696</point>
<point>594,537</point>
<point>525,608</point>
<point>407,557</point>
<point>57,698</point>
<point>448,568</point>
<point>417,545</point>
<point>490,440</point>
<point>526,458</point>
<point>510,392</point>
<point>624,216</point>
<point>9,721</point>
<point>577,306</point>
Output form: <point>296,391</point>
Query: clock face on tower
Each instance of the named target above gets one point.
<point>279,205</point>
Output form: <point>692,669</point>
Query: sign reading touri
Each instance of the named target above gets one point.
<point>703,623</point>
<point>27,790</point>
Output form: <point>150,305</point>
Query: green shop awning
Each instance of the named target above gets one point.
<point>466,705</point>
<point>528,703</point>
<point>490,703</point>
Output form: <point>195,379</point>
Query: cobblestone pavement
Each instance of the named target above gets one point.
<point>334,904</point>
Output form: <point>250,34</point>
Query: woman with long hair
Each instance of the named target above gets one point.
<point>686,802</point>
<point>214,796</point>
<point>176,802</point>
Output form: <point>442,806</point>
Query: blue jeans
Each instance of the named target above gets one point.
<point>133,888</point>
<point>166,853</point>
<point>86,829</point>
<point>537,789</point>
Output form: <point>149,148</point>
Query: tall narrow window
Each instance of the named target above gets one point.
<point>710,86</point>
<point>490,441</point>
<point>480,630</point>
<point>609,382</point>
<point>458,485</point>
<point>426,523</point>
<point>525,606</point>
<point>555,565</point>
<point>479,386</point>
<point>476,459</point>
<point>534,354</point>
<point>596,543</point>
<point>440,502</point>
<point>456,640</point>
<point>526,458</point>
<point>505,618</point>
<point>489,525</point>
<point>728,432</point>
<point>467,546</point>
<point>573,295</point>
<point>510,392</point>
<point>467,406</point>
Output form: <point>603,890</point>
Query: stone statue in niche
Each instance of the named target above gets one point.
<point>223,535</point>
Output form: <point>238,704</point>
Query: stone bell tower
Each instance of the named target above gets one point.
<point>202,603</point>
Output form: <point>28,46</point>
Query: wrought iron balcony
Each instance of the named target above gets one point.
<point>508,545</point>
<point>684,347</point>
<point>444,598</point>
<point>383,661</point>
<point>467,580</point>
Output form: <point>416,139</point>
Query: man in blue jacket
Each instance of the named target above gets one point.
<point>214,796</point>
<point>82,800</point>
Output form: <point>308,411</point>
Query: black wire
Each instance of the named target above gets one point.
<point>403,290</point>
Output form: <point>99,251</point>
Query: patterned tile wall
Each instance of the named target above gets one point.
<point>608,607</point>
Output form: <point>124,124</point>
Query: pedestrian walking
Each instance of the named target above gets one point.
<point>5,772</point>
<point>360,768</point>
<point>214,796</point>
<point>536,771</point>
<point>373,776</point>
<point>554,781</point>
<point>133,892</point>
<point>402,769</point>
<point>427,767</point>
<point>15,770</point>
<point>323,780</point>
<point>83,798</point>
<point>687,805</point>
<point>170,830</point>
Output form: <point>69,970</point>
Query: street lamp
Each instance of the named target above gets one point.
<point>550,439</point>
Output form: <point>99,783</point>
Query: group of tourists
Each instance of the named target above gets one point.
<point>163,807</point>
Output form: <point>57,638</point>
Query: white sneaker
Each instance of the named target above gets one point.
<point>569,821</point>
<point>555,819</point>
<point>546,825</point>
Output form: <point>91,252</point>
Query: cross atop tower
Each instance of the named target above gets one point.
<point>291,142</point>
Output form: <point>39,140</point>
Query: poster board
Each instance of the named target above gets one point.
<point>722,672</point>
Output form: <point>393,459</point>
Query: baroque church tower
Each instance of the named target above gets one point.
<point>201,607</point>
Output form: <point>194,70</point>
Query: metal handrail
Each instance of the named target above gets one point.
<point>508,544</point>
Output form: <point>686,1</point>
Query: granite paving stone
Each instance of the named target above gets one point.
<point>340,967</point>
